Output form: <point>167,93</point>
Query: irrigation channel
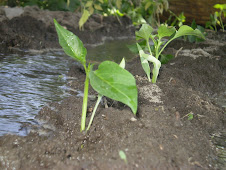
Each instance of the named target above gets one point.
<point>28,81</point>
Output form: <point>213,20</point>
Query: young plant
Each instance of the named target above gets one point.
<point>110,79</point>
<point>155,51</point>
<point>217,17</point>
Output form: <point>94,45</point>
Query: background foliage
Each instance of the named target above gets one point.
<point>140,11</point>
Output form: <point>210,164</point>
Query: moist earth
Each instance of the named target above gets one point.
<point>160,136</point>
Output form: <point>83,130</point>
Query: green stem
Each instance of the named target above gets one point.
<point>165,45</point>
<point>85,98</point>
<point>94,110</point>
<point>157,50</point>
<point>147,42</point>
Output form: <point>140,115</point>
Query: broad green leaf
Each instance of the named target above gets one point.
<point>144,32</point>
<point>116,83</point>
<point>84,18</point>
<point>164,31</point>
<point>155,61</point>
<point>186,30</point>
<point>98,7</point>
<point>71,44</point>
<point>165,58</point>
<point>144,62</point>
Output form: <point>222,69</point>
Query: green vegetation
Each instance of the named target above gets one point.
<point>155,51</point>
<point>123,156</point>
<point>192,38</point>
<point>175,20</point>
<point>140,11</point>
<point>110,79</point>
<point>54,5</point>
<point>216,18</point>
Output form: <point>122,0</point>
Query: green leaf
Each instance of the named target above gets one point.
<point>147,5</point>
<point>144,32</point>
<point>123,156</point>
<point>133,47</point>
<point>164,31</point>
<point>84,18</point>
<point>101,1</point>
<point>71,44</point>
<point>144,62</point>
<point>155,61</point>
<point>164,59</point>
<point>220,6</point>
<point>190,116</point>
<point>116,83</point>
<point>118,3</point>
<point>123,63</point>
<point>98,7</point>
<point>89,3</point>
<point>186,30</point>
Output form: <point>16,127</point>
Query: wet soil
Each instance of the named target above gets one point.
<point>160,136</point>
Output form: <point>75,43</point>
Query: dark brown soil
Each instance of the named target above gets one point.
<point>159,137</point>
<point>34,28</point>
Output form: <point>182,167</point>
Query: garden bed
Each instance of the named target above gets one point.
<point>160,137</point>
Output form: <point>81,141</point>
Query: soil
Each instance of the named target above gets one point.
<point>160,136</point>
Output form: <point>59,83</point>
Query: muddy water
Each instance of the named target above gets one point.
<point>30,81</point>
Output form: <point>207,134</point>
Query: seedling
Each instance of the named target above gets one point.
<point>155,51</point>
<point>110,79</point>
<point>190,116</point>
<point>123,156</point>
<point>217,17</point>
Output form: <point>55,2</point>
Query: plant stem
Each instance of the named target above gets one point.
<point>94,110</point>
<point>85,98</point>
<point>165,46</point>
<point>147,42</point>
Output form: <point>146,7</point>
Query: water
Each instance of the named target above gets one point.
<point>29,81</point>
<point>111,50</point>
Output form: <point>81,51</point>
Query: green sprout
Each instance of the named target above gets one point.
<point>190,116</point>
<point>154,54</point>
<point>123,156</point>
<point>217,17</point>
<point>110,79</point>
